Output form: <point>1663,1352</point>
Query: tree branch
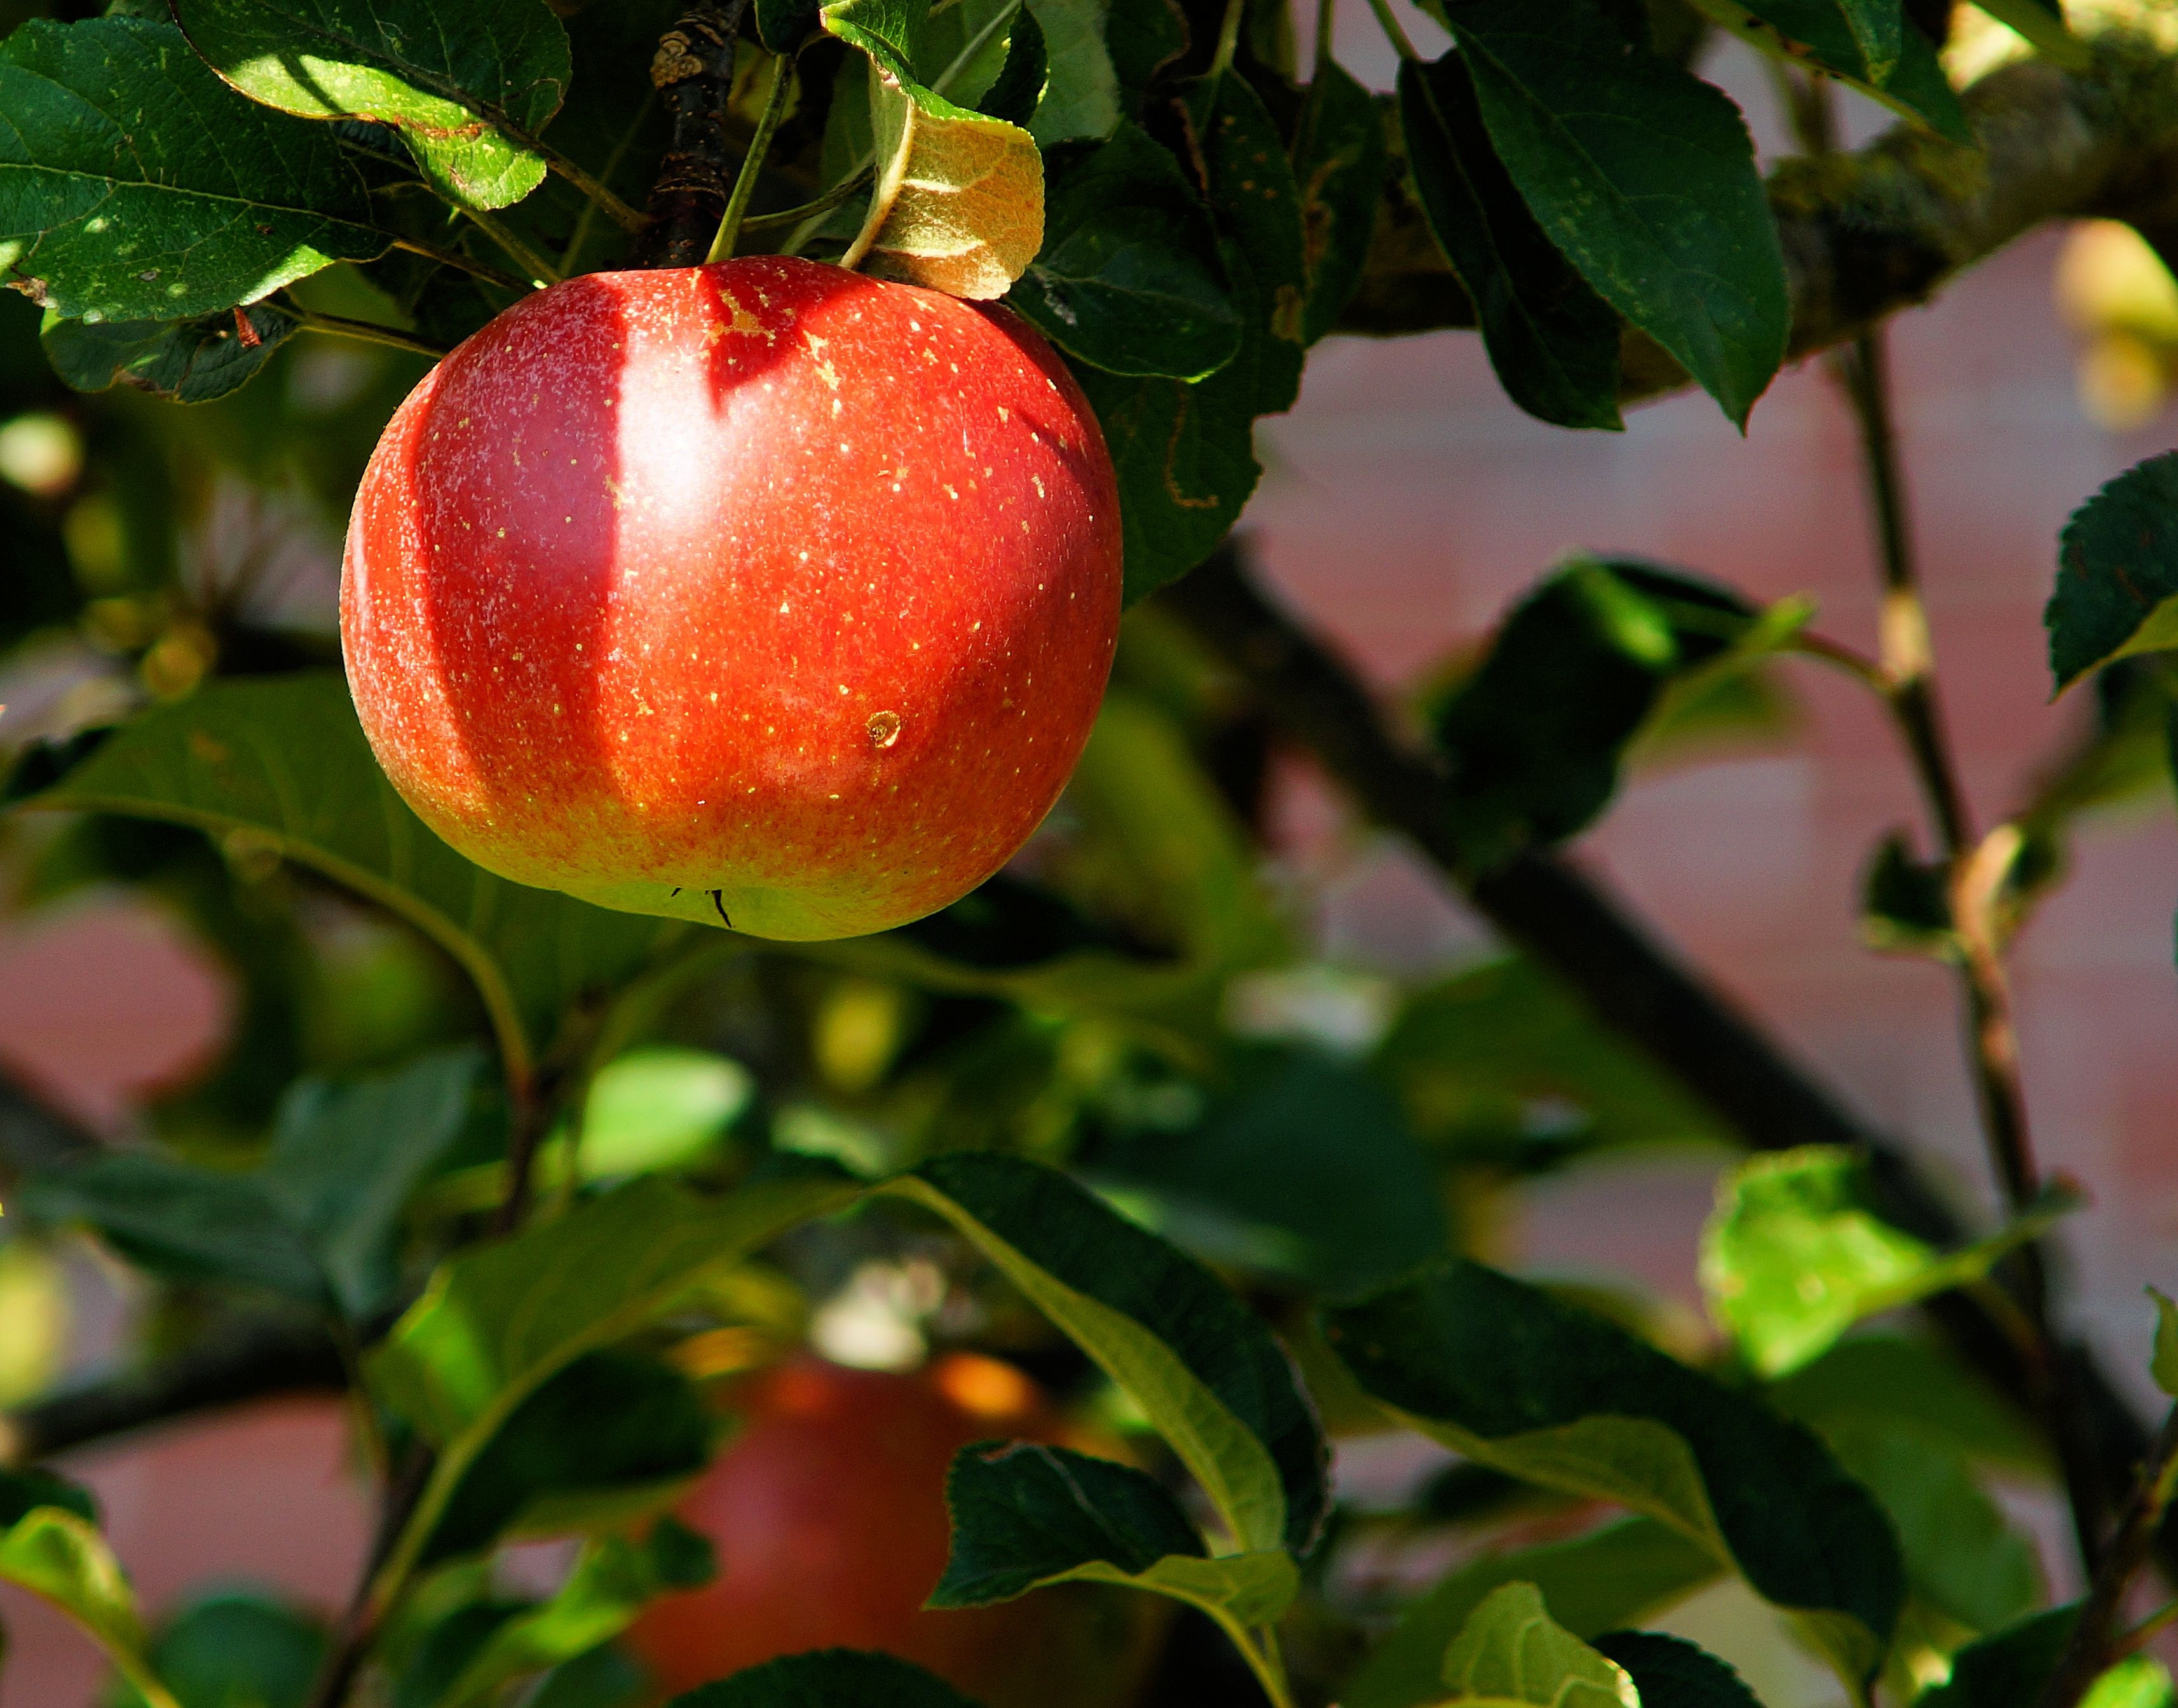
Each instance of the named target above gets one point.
<point>694,76</point>
<point>1629,981</point>
<point>1865,234</point>
<point>2096,1642</point>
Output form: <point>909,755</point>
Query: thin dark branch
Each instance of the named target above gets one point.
<point>1629,981</point>
<point>694,76</point>
<point>2096,1640</point>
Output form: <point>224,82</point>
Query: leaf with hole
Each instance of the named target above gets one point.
<point>107,213</point>
<point>1129,279</point>
<point>189,361</point>
<point>467,100</point>
<point>1796,1254</point>
<point>1552,340</point>
<point>1645,176</point>
<point>1592,1583</point>
<point>1551,1394</point>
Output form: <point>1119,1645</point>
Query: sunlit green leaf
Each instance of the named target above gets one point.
<point>1592,1583</point>
<point>60,1558</point>
<point>2163,1362</point>
<point>1511,1654</point>
<point>465,100</point>
<point>661,1106</point>
<point>139,186</point>
<point>1796,1254</point>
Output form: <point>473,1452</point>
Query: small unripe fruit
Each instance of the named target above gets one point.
<point>760,591</point>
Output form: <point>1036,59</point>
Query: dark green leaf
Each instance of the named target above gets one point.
<point>1963,1556</point>
<point>1145,35</point>
<point>603,1678</point>
<point>27,1487</point>
<point>1249,183</point>
<point>1216,1384</point>
<point>1534,737</point>
<point>1592,1583</point>
<point>1905,904</point>
<point>1552,340</point>
<point>239,1651</point>
<point>1315,1152</point>
<point>181,1221</point>
<point>2117,573</point>
<point>1797,1253</point>
<point>280,764</point>
<point>345,1158</point>
<point>1025,1515</point>
<point>1868,43</point>
<point>2008,1670</point>
<point>613,1434</point>
<point>1512,1654</point>
<point>1886,1380</point>
<point>1643,176</point>
<point>828,1679</point>
<point>1129,278</point>
<point>1550,1393</point>
<point>1186,458</point>
<point>1339,157</point>
<point>466,100</point>
<point>139,186</point>
<point>1081,97</point>
<point>189,361</point>
<point>1014,93</point>
<point>1672,1673</point>
<point>784,25</point>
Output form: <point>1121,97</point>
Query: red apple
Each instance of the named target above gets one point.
<point>827,1511</point>
<point>760,591</point>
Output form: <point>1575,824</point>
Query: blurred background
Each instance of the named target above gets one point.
<point>1407,502</point>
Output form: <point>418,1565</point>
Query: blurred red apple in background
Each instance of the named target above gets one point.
<point>760,591</point>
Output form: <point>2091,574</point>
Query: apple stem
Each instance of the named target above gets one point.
<point>540,271</point>
<point>775,109</point>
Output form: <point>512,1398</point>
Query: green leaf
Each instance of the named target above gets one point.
<point>1888,1380</point>
<point>468,100</point>
<point>1672,1673</point>
<point>178,1220</point>
<point>609,1439</point>
<point>1249,183</point>
<point>2138,1681</point>
<point>2163,1362</point>
<point>605,1678</point>
<point>1795,1254</point>
<point>1592,1583</point>
<point>611,1580</point>
<point>189,361</point>
<point>1906,904</point>
<point>1315,1152</point>
<point>1201,1365</point>
<point>1339,158</point>
<point>279,764</point>
<point>958,204</point>
<point>2009,1669</point>
<point>1511,1655</point>
<point>1504,1064</point>
<point>235,1650</point>
<point>1535,737</point>
<point>1547,1392</point>
<point>1144,36</point>
<point>2117,573</point>
<point>1026,1515</point>
<point>1645,176</point>
<point>2042,22</point>
<point>662,1106</point>
<point>1963,1556</point>
<point>1552,340</point>
<point>1014,93</point>
<point>1184,455</point>
<point>828,1679</point>
<point>345,1157</point>
<point>1082,98</point>
<point>58,1556</point>
<point>1867,43</point>
<point>139,186</point>
<point>25,1487</point>
<point>1129,278</point>
<point>784,25</point>
<point>498,1322</point>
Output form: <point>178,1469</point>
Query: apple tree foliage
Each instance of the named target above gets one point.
<point>513,1168</point>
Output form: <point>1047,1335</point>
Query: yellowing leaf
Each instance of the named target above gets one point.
<point>959,200</point>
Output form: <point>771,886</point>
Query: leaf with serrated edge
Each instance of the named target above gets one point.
<point>2117,573</point>
<point>1671,1673</point>
<point>1794,1255</point>
<point>466,100</point>
<point>1645,176</point>
<point>1511,1654</point>
<point>106,215</point>
<point>1082,98</point>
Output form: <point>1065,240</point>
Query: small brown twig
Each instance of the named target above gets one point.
<point>693,73</point>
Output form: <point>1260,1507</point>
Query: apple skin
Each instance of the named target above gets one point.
<point>784,589</point>
<point>828,1513</point>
